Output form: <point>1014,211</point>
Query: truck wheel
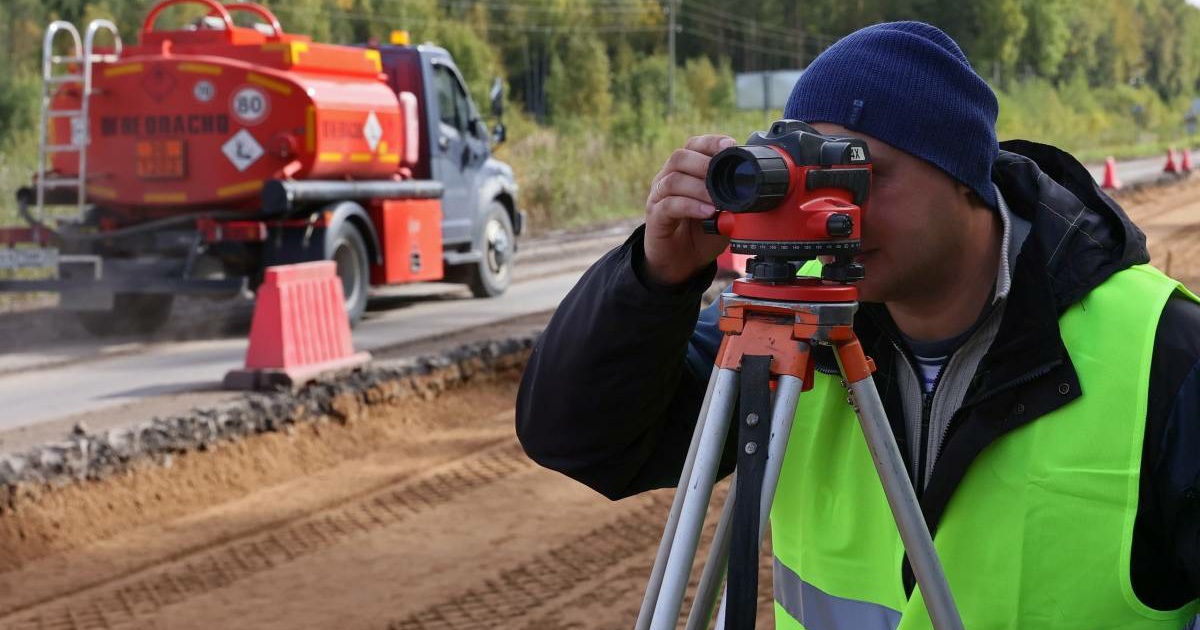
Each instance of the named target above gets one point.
<point>493,273</point>
<point>132,314</point>
<point>350,254</point>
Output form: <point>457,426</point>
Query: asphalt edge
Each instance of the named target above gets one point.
<point>87,456</point>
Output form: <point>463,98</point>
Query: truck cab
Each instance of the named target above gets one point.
<point>480,219</point>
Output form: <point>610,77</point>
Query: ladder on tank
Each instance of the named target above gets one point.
<point>59,70</point>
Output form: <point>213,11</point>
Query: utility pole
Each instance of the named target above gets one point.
<point>672,10</point>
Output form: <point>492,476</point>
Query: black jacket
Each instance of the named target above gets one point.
<point>614,385</point>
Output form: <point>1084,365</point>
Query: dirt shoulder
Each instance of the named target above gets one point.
<point>423,513</point>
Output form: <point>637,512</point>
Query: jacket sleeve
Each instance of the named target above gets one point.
<point>1182,480</point>
<point>613,386</point>
<point>1169,506</point>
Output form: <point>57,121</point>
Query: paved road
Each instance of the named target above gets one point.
<point>1139,171</point>
<point>69,380</point>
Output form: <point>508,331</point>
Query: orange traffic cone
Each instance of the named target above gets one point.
<point>1110,175</point>
<point>300,329</point>
<point>1170,167</point>
<point>1186,162</point>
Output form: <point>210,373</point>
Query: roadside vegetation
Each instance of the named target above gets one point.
<point>587,80</point>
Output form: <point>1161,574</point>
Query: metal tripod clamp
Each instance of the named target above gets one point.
<point>784,330</point>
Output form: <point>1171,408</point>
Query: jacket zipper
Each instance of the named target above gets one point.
<point>922,455</point>
<point>1036,374</point>
<point>926,409</point>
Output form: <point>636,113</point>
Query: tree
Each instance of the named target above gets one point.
<point>1002,26</point>
<point>474,58</point>
<point>1045,42</point>
<point>580,82</point>
<point>710,89</point>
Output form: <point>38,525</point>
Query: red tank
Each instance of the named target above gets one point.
<point>201,117</point>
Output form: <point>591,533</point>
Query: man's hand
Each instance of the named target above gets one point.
<point>676,246</point>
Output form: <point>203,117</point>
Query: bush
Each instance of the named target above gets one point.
<point>19,98</point>
<point>1091,123</point>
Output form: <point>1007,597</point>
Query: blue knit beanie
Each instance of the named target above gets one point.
<point>909,85</point>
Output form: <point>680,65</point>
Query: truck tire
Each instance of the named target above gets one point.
<point>349,252</point>
<point>132,314</point>
<point>493,273</point>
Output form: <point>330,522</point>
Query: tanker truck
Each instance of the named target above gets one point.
<point>209,151</point>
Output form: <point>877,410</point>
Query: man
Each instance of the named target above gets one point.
<point>1042,382</point>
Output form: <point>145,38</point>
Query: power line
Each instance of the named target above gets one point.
<point>730,20</point>
<point>750,29</point>
<point>539,4</point>
<point>746,38</point>
<point>487,28</point>
<point>725,17</point>
<point>704,34</point>
<point>613,9</point>
<point>745,44</point>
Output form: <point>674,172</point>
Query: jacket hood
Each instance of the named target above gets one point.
<point>1083,234</point>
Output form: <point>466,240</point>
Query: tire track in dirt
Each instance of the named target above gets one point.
<point>116,605</point>
<point>501,601</point>
<point>594,581</point>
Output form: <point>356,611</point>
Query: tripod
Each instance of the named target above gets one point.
<point>769,330</point>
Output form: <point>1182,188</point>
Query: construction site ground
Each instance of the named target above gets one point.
<point>423,514</point>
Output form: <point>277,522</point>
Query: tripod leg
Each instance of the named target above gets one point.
<point>714,567</point>
<point>903,500</point>
<point>783,413</point>
<point>664,545</point>
<point>695,503</point>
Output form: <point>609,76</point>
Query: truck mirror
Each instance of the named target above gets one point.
<point>496,94</point>
<point>499,133</point>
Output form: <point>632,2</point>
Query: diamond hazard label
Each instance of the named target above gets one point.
<point>372,131</point>
<point>242,150</point>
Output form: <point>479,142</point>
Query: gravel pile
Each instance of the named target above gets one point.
<point>87,455</point>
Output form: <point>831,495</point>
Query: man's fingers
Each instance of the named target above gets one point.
<point>672,209</point>
<point>710,144</point>
<point>678,184</point>
<point>686,161</point>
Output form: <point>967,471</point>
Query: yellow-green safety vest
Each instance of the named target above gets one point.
<point>1038,533</point>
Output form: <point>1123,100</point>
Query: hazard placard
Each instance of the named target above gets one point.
<point>372,131</point>
<point>242,150</point>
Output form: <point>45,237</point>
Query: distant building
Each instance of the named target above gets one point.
<point>765,90</point>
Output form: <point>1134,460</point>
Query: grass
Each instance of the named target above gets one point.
<point>578,174</point>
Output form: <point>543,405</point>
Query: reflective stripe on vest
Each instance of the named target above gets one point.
<point>819,610</point>
<point>1038,533</point>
